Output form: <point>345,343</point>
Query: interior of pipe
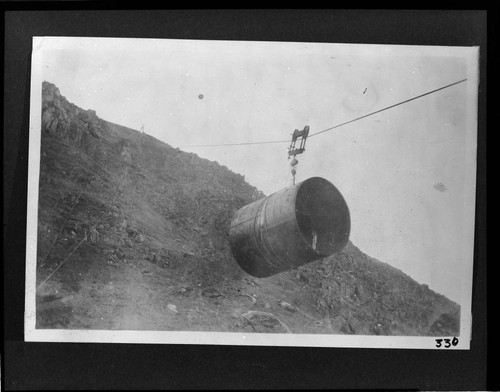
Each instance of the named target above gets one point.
<point>322,216</point>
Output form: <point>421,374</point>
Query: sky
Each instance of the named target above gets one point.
<point>407,173</point>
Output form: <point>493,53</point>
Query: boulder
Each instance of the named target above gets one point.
<point>264,322</point>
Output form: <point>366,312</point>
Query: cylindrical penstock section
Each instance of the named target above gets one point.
<point>290,228</point>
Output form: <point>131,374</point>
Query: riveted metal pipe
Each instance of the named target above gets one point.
<point>292,227</point>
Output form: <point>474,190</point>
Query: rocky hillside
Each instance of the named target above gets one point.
<point>132,234</point>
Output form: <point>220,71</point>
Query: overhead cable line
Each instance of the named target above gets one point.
<point>237,144</point>
<point>387,108</point>
<point>335,126</point>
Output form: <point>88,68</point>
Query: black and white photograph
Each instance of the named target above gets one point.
<point>251,193</point>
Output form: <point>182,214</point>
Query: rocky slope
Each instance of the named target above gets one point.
<point>132,234</point>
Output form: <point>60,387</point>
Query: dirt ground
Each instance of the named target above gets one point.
<point>135,294</point>
<point>130,292</point>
